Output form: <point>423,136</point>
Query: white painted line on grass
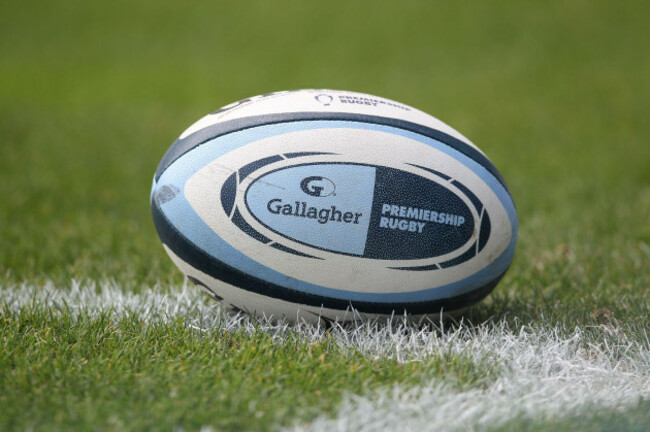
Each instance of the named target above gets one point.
<point>542,371</point>
<point>543,375</point>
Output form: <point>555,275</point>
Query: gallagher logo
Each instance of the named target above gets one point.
<point>317,186</point>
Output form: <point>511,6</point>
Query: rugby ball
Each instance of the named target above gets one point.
<point>326,205</point>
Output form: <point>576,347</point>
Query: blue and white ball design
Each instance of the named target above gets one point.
<point>308,204</point>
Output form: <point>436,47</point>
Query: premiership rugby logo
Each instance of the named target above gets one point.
<point>317,186</point>
<point>372,211</point>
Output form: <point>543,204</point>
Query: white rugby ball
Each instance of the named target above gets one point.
<point>309,204</point>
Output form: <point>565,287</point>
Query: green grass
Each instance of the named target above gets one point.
<point>100,372</point>
<point>91,96</point>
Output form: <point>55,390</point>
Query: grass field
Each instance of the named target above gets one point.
<point>99,331</point>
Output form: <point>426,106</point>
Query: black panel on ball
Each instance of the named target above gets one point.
<point>183,145</point>
<point>207,264</point>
